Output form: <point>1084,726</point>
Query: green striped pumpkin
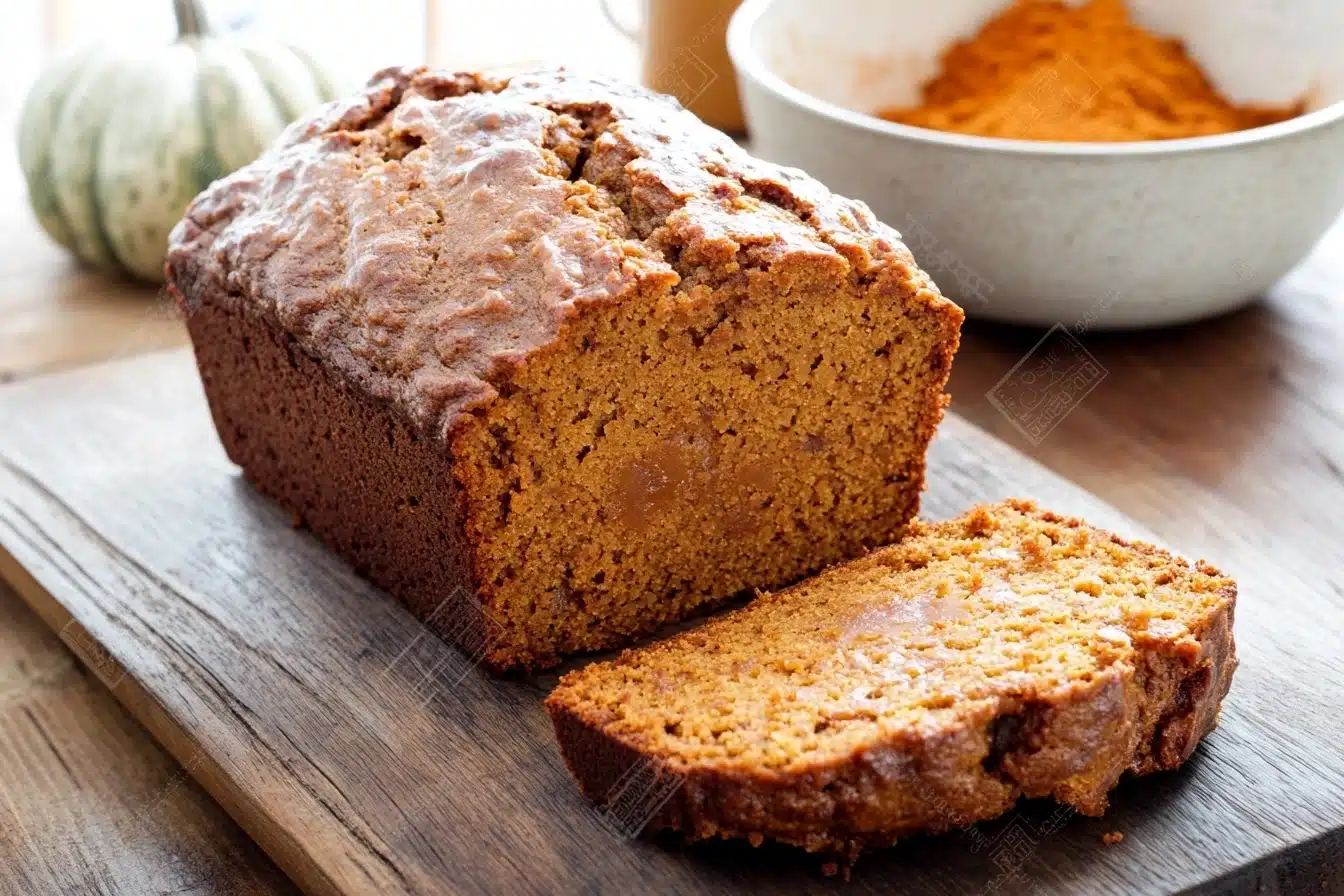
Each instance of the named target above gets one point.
<point>114,145</point>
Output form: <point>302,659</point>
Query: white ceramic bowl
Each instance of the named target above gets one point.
<point>1108,234</point>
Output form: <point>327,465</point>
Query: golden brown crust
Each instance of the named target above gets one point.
<point>547,327</point>
<point>1143,712</point>
<point>425,237</point>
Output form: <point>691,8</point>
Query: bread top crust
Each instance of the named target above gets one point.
<point>426,236</point>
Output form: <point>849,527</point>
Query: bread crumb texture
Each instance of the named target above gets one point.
<point>925,686</point>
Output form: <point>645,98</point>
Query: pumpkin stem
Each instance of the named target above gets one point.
<point>191,20</point>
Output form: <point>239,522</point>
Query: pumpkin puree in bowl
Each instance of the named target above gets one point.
<point>1043,70</point>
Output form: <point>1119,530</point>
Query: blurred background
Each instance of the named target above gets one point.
<point>454,33</point>
<point>457,33</point>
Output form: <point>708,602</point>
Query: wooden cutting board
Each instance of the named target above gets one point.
<point>364,756</point>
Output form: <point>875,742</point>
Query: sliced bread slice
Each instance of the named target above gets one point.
<point>930,684</point>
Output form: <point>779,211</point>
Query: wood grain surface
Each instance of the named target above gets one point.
<point>88,804</point>
<point>351,745</point>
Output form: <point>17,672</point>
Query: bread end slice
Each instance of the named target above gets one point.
<point>1010,652</point>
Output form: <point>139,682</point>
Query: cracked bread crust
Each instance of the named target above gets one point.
<point>553,342</point>
<point>427,236</point>
<point>1155,692</point>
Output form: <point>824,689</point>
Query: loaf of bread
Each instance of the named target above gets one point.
<point>554,362</point>
<point>928,685</point>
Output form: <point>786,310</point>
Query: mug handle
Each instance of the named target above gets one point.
<point>630,31</point>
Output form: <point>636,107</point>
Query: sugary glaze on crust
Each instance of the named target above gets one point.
<point>426,236</point>
<point>555,345</point>
<point>928,685</point>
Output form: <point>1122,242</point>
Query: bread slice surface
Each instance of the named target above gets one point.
<point>1010,652</point>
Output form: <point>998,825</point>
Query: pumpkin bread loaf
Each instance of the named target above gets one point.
<point>554,362</point>
<point>927,685</point>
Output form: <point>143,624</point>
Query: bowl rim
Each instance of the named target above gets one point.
<point>751,66</point>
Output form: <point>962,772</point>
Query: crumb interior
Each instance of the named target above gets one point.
<point>675,455</point>
<point>753,413</point>
<point>1001,603</point>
